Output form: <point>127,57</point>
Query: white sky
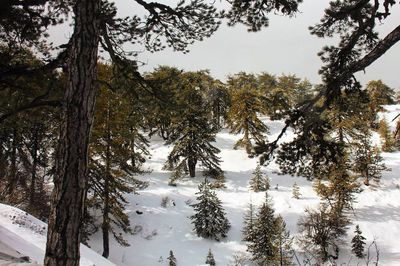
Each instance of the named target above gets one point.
<point>284,47</point>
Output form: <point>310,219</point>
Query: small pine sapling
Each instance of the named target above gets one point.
<point>210,218</point>
<point>358,243</point>
<point>259,182</point>
<point>296,191</point>
<point>171,259</point>
<point>210,258</point>
<point>248,228</point>
<point>283,242</point>
<point>388,143</point>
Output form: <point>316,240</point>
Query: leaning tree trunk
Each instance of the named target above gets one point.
<point>63,237</point>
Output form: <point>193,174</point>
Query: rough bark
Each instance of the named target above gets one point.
<point>63,236</point>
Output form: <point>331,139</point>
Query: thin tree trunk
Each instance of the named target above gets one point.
<point>105,227</point>
<point>63,237</point>
<point>33,170</point>
<point>192,166</point>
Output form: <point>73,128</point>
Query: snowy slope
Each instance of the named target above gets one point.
<point>160,229</point>
<point>27,235</point>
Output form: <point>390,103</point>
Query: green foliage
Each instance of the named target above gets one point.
<point>358,243</point>
<point>246,105</point>
<point>284,242</point>
<point>259,181</point>
<point>248,223</point>
<point>171,259</point>
<point>388,143</point>
<point>192,134</point>
<point>319,233</point>
<point>368,161</point>
<point>379,94</point>
<point>210,219</point>
<point>210,258</point>
<point>296,191</point>
<point>117,150</point>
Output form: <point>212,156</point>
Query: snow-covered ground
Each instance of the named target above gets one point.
<point>23,235</point>
<point>161,229</point>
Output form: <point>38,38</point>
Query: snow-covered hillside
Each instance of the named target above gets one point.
<point>161,229</point>
<point>23,234</point>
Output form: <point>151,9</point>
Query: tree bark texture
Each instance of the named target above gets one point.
<point>63,237</point>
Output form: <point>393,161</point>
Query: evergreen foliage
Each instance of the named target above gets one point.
<point>388,143</point>
<point>259,181</point>
<point>357,243</point>
<point>283,242</point>
<point>246,105</point>
<point>368,162</point>
<point>210,258</point>
<point>262,243</point>
<point>171,259</point>
<point>210,219</point>
<point>296,191</point>
<point>192,134</point>
<point>379,94</point>
<point>319,234</point>
<point>116,152</point>
<point>248,223</point>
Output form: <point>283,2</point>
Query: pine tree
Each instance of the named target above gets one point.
<point>210,219</point>
<point>262,245</point>
<point>248,223</point>
<point>368,161</point>
<point>192,134</point>
<point>283,243</point>
<point>171,259</point>
<point>388,143</point>
<point>210,258</point>
<point>358,243</point>
<point>246,105</point>
<point>296,191</point>
<point>259,182</point>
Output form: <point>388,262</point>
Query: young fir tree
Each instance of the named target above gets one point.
<point>192,133</point>
<point>388,143</point>
<point>171,259</point>
<point>210,219</point>
<point>210,258</point>
<point>357,243</point>
<point>284,243</point>
<point>296,191</point>
<point>259,181</point>
<point>246,105</point>
<point>368,162</point>
<point>248,223</point>
<point>262,244</point>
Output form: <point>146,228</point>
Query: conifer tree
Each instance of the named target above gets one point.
<point>210,219</point>
<point>262,245</point>
<point>296,191</point>
<point>368,161</point>
<point>357,243</point>
<point>192,134</point>
<point>246,105</point>
<point>114,159</point>
<point>283,243</point>
<point>388,143</point>
<point>248,223</point>
<point>210,258</point>
<point>259,181</point>
<point>171,259</point>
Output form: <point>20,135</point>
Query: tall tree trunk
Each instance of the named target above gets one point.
<point>192,166</point>
<point>105,227</point>
<point>34,155</point>
<point>63,237</point>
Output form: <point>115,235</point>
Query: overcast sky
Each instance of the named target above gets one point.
<point>284,47</point>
